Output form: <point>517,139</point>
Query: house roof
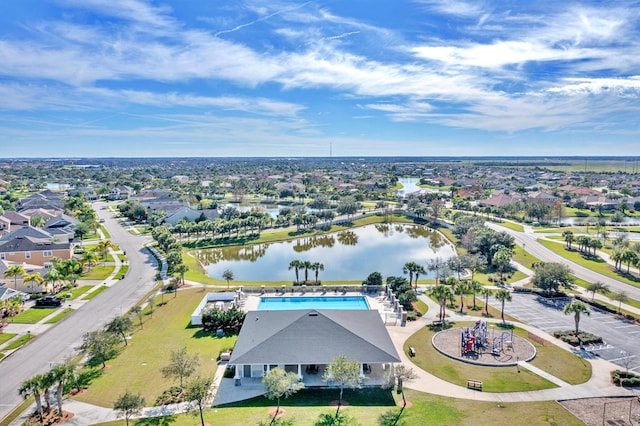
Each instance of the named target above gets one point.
<point>313,337</point>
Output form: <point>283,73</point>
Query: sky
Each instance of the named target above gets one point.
<point>277,78</point>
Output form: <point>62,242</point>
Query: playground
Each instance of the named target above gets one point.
<point>479,344</point>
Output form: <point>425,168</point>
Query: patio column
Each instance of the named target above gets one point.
<point>300,371</point>
<point>239,368</point>
<point>361,370</point>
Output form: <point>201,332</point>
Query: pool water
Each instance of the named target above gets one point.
<point>306,302</point>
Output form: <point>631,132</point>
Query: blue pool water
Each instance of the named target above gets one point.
<point>305,302</point>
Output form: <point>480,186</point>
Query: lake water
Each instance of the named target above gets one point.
<point>346,255</point>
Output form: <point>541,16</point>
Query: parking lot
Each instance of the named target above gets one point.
<point>621,337</point>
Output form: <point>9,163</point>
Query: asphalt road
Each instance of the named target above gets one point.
<point>58,342</point>
<point>546,255</point>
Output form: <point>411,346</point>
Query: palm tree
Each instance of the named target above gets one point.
<point>33,386</point>
<point>568,238</point>
<point>486,292</point>
<point>89,259</point>
<point>181,268</point>
<point>461,288</point>
<point>228,276</point>
<point>503,295</point>
<point>442,293</point>
<point>317,267</point>
<point>409,268</point>
<point>597,287</point>
<point>418,269</point>
<point>103,247</point>
<point>296,264</point>
<point>475,287</point>
<point>576,308</point>
<point>620,298</point>
<point>14,271</point>
<point>35,277</point>
<point>306,265</point>
<point>62,374</point>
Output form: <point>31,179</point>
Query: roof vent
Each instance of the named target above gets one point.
<point>313,314</point>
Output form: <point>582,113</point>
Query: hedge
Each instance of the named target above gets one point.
<point>625,378</point>
<point>569,336</point>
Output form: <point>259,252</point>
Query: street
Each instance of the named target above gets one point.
<point>59,342</point>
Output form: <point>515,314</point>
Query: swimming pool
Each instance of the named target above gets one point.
<point>316,302</point>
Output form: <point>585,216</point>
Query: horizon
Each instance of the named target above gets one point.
<point>424,78</point>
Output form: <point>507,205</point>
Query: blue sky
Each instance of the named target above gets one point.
<point>138,78</point>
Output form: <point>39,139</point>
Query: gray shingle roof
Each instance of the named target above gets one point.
<point>313,337</point>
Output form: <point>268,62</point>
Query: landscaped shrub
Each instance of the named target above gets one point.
<point>569,336</point>
<point>625,378</point>
<point>170,396</point>
<point>229,372</point>
<point>230,321</point>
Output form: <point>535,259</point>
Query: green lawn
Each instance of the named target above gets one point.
<point>426,409</point>
<point>137,367</point>
<point>5,337</point>
<point>595,264</point>
<point>33,315</point>
<point>106,233</point>
<point>511,225</point>
<point>75,292</point>
<point>123,271</point>
<point>95,292</point>
<point>61,315</point>
<point>99,272</point>
<point>19,342</point>
<point>550,358</point>
<point>524,258</point>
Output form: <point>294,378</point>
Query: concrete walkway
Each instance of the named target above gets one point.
<point>598,386</point>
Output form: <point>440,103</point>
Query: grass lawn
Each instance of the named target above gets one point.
<point>75,292</point>
<point>100,272</point>
<point>511,225</point>
<point>19,342</point>
<point>123,270</point>
<point>106,233</point>
<point>5,337</point>
<point>524,258</point>
<point>568,366</point>
<point>426,409</point>
<point>95,292</point>
<point>595,264</point>
<point>137,367</point>
<point>61,315</point>
<point>33,315</point>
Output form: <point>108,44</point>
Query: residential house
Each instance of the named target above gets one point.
<point>17,283</point>
<point>190,214</point>
<point>33,246</point>
<point>306,341</point>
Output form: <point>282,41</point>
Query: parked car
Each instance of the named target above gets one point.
<point>49,301</point>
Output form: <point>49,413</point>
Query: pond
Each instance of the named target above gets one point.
<point>346,255</point>
<point>410,185</point>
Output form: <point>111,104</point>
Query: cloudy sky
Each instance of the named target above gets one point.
<point>291,78</point>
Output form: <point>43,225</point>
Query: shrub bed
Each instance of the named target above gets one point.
<point>170,396</point>
<point>569,336</point>
<point>625,378</point>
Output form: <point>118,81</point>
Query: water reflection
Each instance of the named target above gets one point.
<point>357,253</point>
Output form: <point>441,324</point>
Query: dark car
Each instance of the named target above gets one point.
<point>49,301</point>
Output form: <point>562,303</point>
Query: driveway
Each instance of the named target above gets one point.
<point>547,315</point>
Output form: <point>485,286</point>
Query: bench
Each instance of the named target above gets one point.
<point>412,351</point>
<point>474,384</point>
<point>436,323</point>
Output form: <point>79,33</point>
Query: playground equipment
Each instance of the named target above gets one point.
<point>499,342</point>
<point>474,340</point>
